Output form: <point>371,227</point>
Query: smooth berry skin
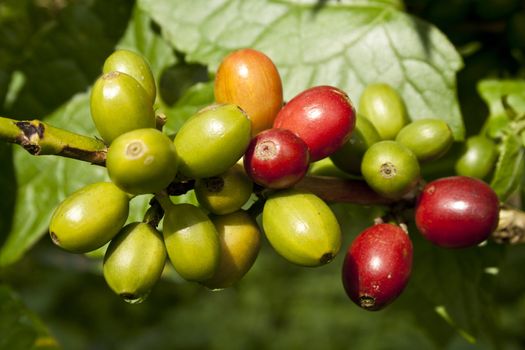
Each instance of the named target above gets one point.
<point>377,266</point>
<point>457,212</point>
<point>323,116</point>
<point>276,158</point>
<point>249,79</point>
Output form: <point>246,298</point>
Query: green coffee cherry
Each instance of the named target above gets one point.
<point>390,169</point>
<point>428,139</point>
<point>348,158</point>
<point>384,107</point>
<point>240,240</point>
<point>478,159</point>
<point>212,141</point>
<point>89,218</point>
<point>135,65</point>
<point>142,161</point>
<point>134,261</point>
<point>301,227</point>
<point>225,193</point>
<point>192,241</point>
<point>120,104</point>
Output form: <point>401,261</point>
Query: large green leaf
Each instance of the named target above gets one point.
<point>62,52</point>
<point>348,44</point>
<point>140,37</point>
<point>458,285</point>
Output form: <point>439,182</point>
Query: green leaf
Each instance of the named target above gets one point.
<point>491,92</point>
<point>61,53</point>
<point>140,37</point>
<point>509,168</point>
<point>348,45</point>
<point>458,284</point>
<point>19,327</point>
<point>195,98</point>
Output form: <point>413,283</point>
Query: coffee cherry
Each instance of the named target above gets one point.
<point>225,193</point>
<point>276,158</point>
<point>120,104</point>
<point>301,227</point>
<point>478,158</point>
<point>323,116</point>
<point>377,266</point>
<point>348,158</point>
<point>390,169</point>
<point>428,139</point>
<point>135,65</point>
<point>191,240</point>
<point>249,79</point>
<point>142,161</point>
<point>240,240</point>
<point>89,218</point>
<point>134,261</point>
<point>212,141</point>
<point>457,212</point>
<point>383,106</point>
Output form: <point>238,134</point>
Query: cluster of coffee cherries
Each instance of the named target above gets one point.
<point>251,142</point>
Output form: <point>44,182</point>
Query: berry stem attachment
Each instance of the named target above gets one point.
<point>40,138</point>
<point>164,200</point>
<point>154,214</point>
<point>511,226</point>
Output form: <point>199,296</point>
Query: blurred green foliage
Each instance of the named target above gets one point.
<point>50,53</point>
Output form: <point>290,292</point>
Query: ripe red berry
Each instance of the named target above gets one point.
<point>323,116</point>
<point>457,211</point>
<point>377,266</point>
<point>276,158</point>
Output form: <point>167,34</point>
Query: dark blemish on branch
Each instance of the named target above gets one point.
<point>26,139</point>
<point>30,129</point>
<point>97,157</point>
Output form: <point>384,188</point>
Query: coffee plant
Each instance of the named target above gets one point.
<point>262,174</point>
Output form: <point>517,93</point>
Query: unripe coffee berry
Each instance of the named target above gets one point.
<point>384,107</point>
<point>478,158</point>
<point>428,138</point>
<point>142,161</point>
<point>135,65</point>
<point>390,169</point>
<point>120,104</point>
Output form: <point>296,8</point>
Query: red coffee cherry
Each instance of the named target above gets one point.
<point>323,116</point>
<point>457,212</point>
<point>276,158</point>
<point>377,266</point>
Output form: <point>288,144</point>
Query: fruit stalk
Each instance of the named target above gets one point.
<point>511,227</point>
<point>40,138</point>
<point>336,190</point>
